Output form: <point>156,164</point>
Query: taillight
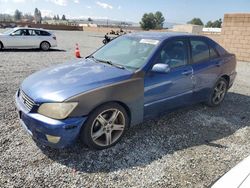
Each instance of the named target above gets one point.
<point>54,38</point>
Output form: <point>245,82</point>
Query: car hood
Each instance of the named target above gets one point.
<point>3,35</point>
<point>61,82</point>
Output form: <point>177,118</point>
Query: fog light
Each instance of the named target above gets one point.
<point>53,139</point>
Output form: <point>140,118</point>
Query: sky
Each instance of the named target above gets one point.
<point>175,11</point>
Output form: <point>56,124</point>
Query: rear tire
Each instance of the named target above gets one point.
<point>218,93</point>
<point>45,46</point>
<point>105,126</point>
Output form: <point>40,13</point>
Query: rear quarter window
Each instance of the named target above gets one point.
<point>217,47</point>
<point>221,50</point>
<point>213,53</point>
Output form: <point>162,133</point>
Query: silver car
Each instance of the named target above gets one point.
<point>24,38</point>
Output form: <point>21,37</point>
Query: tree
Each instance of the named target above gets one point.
<point>209,24</point>
<point>37,16</point>
<point>54,18</point>
<point>196,21</point>
<point>152,21</point>
<point>6,17</point>
<point>63,17</point>
<point>159,20</point>
<point>17,15</point>
<point>148,21</point>
<point>47,18</point>
<point>215,24</point>
<point>57,17</point>
<point>28,17</point>
<point>90,20</point>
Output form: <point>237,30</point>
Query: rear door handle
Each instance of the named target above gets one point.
<point>187,72</point>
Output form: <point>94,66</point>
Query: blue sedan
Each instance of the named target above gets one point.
<point>135,77</point>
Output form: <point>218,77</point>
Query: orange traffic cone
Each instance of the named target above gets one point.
<point>77,51</point>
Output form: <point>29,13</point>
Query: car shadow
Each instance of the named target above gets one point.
<point>153,139</point>
<point>32,50</point>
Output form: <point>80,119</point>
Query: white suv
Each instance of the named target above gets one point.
<point>23,38</point>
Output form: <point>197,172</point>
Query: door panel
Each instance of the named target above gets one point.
<point>33,39</point>
<point>205,76</point>
<point>14,39</point>
<point>28,39</point>
<point>22,38</point>
<point>166,91</point>
<point>206,67</point>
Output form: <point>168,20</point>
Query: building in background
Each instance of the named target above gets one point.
<point>235,35</point>
<point>187,28</point>
<point>60,22</point>
<point>88,25</point>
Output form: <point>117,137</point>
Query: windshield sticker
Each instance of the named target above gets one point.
<point>149,41</point>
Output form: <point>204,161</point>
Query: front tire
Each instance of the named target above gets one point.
<point>105,126</point>
<point>218,93</point>
<point>45,46</point>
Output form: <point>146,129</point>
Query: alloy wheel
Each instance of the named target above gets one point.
<point>108,127</point>
<point>219,92</point>
<point>45,46</point>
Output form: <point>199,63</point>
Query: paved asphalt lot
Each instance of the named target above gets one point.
<point>188,148</point>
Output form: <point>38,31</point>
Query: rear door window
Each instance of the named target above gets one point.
<point>32,32</point>
<point>199,50</point>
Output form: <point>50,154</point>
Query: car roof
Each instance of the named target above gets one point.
<point>159,35</point>
<point>16,28</point>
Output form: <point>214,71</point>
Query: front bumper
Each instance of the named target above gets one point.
<point>48,131</point>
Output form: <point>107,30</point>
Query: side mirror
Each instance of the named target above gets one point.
<point>161,68</point>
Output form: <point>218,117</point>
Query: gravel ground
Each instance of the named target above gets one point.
<point>189,148</point>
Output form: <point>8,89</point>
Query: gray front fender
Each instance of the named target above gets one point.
<point>129,92</point>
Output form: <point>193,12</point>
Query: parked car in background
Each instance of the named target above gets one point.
<point>132,78</point>
<point>24,38</point>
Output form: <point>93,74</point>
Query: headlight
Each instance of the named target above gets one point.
<point>57,110</point>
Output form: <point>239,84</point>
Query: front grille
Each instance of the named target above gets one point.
<point>27,101</point>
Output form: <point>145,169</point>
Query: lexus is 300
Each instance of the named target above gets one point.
<point>134,77</point>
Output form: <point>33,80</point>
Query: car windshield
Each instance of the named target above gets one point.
<point>9,31</point>
<point>129,52</point>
